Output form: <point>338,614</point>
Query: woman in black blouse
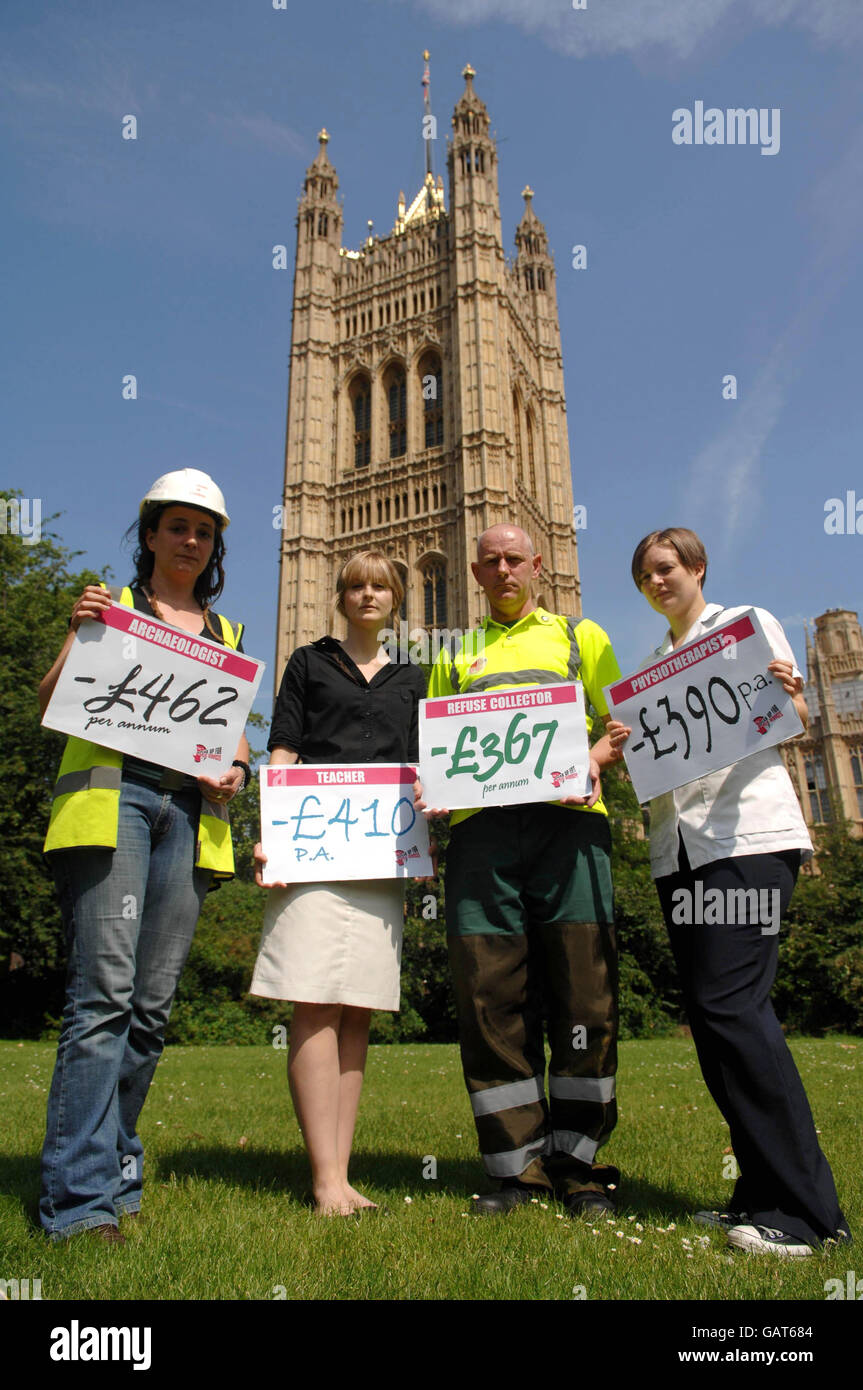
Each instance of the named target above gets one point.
<point>335,948</point>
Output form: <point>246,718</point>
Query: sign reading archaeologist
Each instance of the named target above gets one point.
<point>141,687</point>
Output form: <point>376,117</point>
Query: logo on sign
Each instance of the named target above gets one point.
<point>403,855</point>
<point>762,722</point>
<point>202,753</point>
<point>558,778</point>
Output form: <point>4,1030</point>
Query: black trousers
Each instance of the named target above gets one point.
<point>727,970</point>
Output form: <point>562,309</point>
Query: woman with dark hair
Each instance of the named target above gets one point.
<point>740,828</point>
<point>335,948</point>
<point>134,849</point>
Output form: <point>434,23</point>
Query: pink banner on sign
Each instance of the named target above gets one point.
<point>201,649</point>
<point>447,705</point>
<point>317,776</point>
<point>681,660</point>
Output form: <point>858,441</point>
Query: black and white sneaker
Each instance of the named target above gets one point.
<point>764,1240</point>
<point>721,1220</point>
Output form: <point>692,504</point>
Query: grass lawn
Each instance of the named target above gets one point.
<point>224,1217</point>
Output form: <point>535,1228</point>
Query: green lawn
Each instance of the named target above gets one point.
<point>224,1216</point>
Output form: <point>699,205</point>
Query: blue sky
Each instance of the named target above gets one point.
<point>154,257</point>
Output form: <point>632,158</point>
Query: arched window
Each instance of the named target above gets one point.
<point>361,408</point>
<point>434,594</point>
<point>431,384</point>
<point>395,385</point>
<point>322,224</point>
<point>531,468</point>
<point>516,418</point>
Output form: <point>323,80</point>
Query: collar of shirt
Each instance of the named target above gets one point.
<point>703,623</point>
<point>536,615</point>
<point>332,648</point>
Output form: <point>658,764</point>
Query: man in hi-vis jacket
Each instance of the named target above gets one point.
<point>529,916</point>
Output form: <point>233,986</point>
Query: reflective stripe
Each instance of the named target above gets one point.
<point>214,808</point>
<point>105,778</point>
<point>496,1098</point>
<point>574,665</point>
<point>598,1088</point>
<point>526,677</point>
<point>569,1141</point>
<point>509,1165</point>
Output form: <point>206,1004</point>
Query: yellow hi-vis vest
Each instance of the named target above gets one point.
<point>86,806</point>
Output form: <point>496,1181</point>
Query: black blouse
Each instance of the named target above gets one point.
<point>328,712</point>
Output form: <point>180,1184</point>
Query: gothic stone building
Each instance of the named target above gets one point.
<point>426,397</point>
<point>826,762</point>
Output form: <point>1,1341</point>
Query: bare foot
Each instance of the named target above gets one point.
<point>334,1201</point>
<point>358,1199</point>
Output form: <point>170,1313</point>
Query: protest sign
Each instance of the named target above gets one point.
<point>353,820</point>
<point>504,747</point>
<point>144,688</point>
<point>702,707</point>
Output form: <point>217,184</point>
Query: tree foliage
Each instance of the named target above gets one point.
<point>38,589</point>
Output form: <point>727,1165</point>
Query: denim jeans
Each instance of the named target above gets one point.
<point>130,915</point>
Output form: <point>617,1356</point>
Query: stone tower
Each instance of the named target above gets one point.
<point>826,760</point>
<point>426,397</point>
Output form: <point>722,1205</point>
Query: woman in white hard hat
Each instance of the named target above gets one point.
<point>335,948</point>
<point>134,848</point>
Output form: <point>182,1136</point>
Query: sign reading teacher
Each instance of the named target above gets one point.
<point>504,747</point>
<point>355,820</point>
<point>702,707</point>
<point>138,686</point>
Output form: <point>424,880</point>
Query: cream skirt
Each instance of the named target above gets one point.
<point>333,943</point>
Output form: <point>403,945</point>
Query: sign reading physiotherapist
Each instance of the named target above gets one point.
<point>702,707</point>
<point>141,687</point>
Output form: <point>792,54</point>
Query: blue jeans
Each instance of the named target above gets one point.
<point>130,915</point>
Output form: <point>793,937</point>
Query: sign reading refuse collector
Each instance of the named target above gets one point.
<point>702,707</point>
<point>141,687</point>
<point>504,747</point>
<point>323,821</point>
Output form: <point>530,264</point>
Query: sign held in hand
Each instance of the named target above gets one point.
<point>702,707</point>
<point>504,747</point>
<point>141,687</point>
<point>353,820</point>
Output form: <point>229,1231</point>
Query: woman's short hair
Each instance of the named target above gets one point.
<point>210,581</point>
<point>369,565</point>
<point>688,547</point>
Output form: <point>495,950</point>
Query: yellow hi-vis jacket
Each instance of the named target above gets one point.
<point>86,806</point>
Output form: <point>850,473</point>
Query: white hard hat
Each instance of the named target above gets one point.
<point>188,485</point>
